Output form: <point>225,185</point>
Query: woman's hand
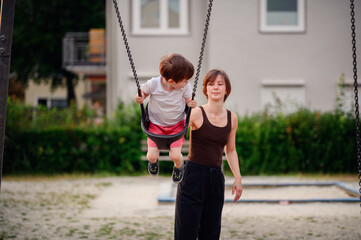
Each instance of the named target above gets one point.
<point>237,189</point>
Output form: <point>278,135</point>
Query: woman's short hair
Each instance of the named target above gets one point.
<point>211,77</point>
<point>175,67</point>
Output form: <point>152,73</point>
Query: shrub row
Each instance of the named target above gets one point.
<point>303,141</point>
<point>59,150</point>
<point>52,141</point>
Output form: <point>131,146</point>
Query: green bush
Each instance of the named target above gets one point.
<point>303,141</point>
<point>21,117</point>
<point>58,150</point>
<point>70,144</point>
<point>42,141</point>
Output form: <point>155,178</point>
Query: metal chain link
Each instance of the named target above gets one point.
<point>202,48</point>
<point>358,140</point>
<point>127,46</point>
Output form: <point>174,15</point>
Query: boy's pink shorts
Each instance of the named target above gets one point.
<point>154,128</point>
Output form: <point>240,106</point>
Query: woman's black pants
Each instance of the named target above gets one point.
<point>199,204</point>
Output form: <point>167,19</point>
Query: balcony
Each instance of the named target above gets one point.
<point>84,52</point>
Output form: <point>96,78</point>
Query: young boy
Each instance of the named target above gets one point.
<point>168,95</point>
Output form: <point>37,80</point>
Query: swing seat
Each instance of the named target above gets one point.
<point>163,142</point>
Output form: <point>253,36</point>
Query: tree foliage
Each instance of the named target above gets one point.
<point>39,27</point>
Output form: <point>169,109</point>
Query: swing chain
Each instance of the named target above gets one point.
<point>127,46</point>
<point>358,140</point>
<point>131,57</point>
<point>203,45</point>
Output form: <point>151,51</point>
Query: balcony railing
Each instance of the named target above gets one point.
<point>84,48</point>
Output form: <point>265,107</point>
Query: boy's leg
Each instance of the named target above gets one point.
<point>178,169</point>
<point>175,154</point>
<point>153,164</point>
<point>153,154</point>
<point>175,151</point>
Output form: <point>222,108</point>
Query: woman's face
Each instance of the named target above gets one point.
<point>216,89</point>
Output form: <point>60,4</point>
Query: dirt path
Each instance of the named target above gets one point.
<point>127,208</point>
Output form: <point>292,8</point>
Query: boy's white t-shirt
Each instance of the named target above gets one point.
<point>165,108</point>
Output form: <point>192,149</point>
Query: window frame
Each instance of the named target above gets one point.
<point>183,28</point>
<point>347,86</point>
<point>277,86</point>
<point>301,19</point>
<point>48,100</point>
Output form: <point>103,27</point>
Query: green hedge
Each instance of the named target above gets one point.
<point>59,150</point>
<point>304,141</point>
<point>42,141</point>
<point>67,141</point>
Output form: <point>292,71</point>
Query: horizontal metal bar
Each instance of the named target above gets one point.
<point>167,192</point>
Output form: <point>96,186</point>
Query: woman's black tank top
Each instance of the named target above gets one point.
<point>208,141</point>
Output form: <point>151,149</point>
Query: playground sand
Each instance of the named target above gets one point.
<point>127,208</point>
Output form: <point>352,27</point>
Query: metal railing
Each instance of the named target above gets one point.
<point>79,51</point>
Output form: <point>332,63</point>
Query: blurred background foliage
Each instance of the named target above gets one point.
<point>68,141</point>
<point>39,29</point>
<point>300,142</point>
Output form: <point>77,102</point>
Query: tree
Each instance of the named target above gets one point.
<point>39,27</point>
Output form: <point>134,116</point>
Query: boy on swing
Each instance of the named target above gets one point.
<point>168,95</point>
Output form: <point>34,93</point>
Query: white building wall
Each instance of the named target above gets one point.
<point>146,51</point>
<point>317,56</point>
<point>306,64</point>
<point>34,91</point>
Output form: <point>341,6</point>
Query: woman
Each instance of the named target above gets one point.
<point>200,196</point>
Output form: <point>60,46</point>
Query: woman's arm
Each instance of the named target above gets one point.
<point>232,159</point>
<point>196,119</point>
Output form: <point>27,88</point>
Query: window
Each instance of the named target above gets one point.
<point>346,99</point>
<point>58,103</point>
<point>160,17</point>
<point>283,95</point>
<point>282,15</point>
<point>345,95</point>
<point>48,102</point>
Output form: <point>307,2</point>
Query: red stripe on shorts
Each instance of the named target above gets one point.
<point>156,129</point>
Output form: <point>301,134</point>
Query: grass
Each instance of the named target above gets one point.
<point>71,232</point>
<point>126,231</point>
<point>105,230</point>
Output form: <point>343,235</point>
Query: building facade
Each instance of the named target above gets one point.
<point>275,51</point>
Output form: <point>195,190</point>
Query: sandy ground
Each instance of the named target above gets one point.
<point>127,208</point>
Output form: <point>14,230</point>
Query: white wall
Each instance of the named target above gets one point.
<point>316,58</point>
<point>42,90</point>
<point>146,51</point>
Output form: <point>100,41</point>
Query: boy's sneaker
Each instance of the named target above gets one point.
<point>153,168</point>
<point>177,174</point>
